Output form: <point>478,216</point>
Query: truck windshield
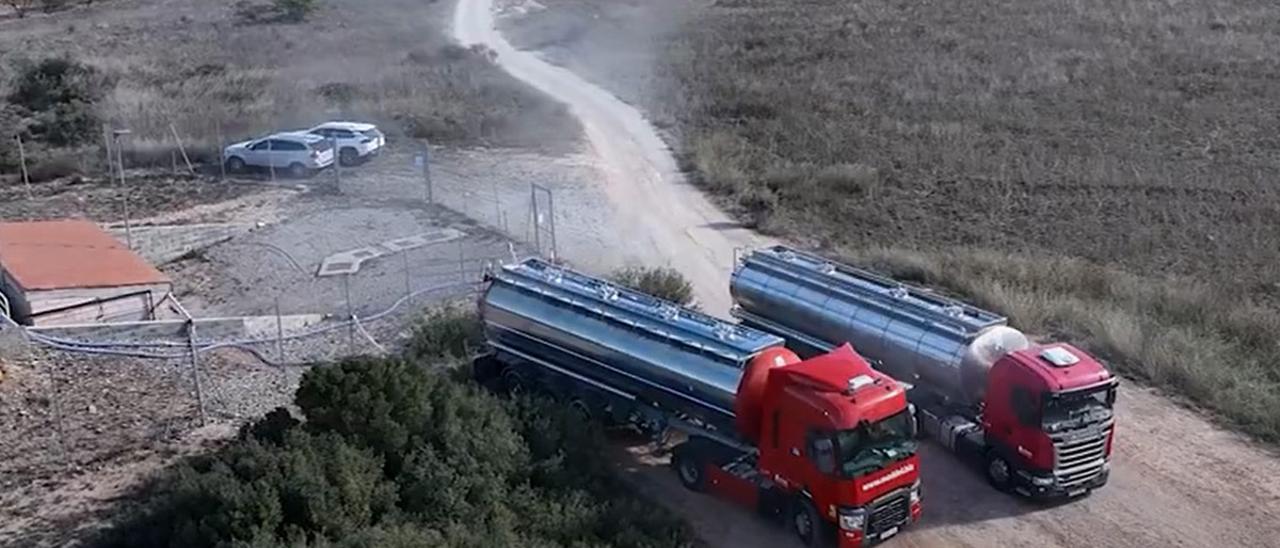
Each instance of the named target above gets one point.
<point>1073,410</point>
<point>871,446</point>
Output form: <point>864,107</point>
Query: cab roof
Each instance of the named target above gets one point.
<point>1062,367</point>
<point>842,377</point>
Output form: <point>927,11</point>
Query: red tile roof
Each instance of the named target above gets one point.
<point>70,254</point>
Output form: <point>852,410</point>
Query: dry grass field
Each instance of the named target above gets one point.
<point>1102,171</point>
<point>208,71</point>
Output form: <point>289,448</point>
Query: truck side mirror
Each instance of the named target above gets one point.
<point>914,424</point>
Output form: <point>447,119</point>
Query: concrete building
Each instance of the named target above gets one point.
<point>72,272</point>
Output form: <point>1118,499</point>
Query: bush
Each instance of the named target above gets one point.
<point>57,95</point>
<point>447,332</point>
<point>392,454</point>
<point>295,10</point>
<point>661,282</point>
<point>263,494</point>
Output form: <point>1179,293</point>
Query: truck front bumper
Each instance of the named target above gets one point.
<point>860,539</point>
<point>1045,486</point>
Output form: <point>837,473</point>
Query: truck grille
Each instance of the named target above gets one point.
<point>889,511</point>
<point>1079,459</point>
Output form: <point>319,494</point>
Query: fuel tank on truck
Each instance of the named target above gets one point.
<point>625,341</point>
<point>911,332</point>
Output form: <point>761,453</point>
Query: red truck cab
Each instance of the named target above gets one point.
<point>1049,422</point>
<point>836,450</point>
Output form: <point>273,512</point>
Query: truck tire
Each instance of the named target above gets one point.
<point>807,524</point>
<point>690,464</point>
<point>999,472</point>
<point>513,383</point>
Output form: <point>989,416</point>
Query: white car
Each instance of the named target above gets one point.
<point>298,154</point>
<point>357,141</point>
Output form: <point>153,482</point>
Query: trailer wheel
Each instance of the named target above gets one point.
<point>689,464</point>
<point>999,473</point>
<point>807,524</point>
<point>513,382</point>
<point>580,409</point>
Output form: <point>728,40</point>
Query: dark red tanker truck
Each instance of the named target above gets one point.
<point>1038,417</point>
<point>825,443</point>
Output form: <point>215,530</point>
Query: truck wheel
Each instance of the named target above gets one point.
<point>807,524</point>
<point>999,473</point>
<point>689,464</point>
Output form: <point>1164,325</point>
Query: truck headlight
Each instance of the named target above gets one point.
<point>852,519</point>
<point>915,492</point>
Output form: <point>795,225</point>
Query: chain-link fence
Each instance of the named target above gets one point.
<point>346,274</point>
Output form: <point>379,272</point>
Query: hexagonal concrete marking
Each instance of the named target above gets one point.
<point>349,262</point>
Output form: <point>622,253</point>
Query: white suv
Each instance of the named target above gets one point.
<point>298,154</point>
<point>356,141</point>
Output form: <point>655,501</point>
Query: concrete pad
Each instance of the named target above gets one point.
<point>350,261</point>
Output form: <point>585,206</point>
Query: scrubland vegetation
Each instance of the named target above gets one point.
<point>223,72</point>
<point>402,452</point>
<point>1098,170</point>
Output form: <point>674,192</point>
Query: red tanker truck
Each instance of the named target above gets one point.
<point>1038,417</point>
<point>826,444</point>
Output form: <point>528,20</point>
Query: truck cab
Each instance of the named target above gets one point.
<point>1049,421</point>
<point>836,452</point>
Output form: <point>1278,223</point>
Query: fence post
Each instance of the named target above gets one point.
<point>22,159</point>
<point>426,170</point>
<point>222,151</point>
<point>195,368</point>
<point>533,210</point>
<point>351,315</point>
<point>181,148</point>
<point>497,206</point>
<point>551,215</point>
<point>271,161</point>
<point>279,334</point>
<point>337,165</point>
<point>408,277</point>
<point>462,262</point>
<point>106,146</point>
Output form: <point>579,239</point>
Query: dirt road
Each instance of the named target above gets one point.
<point>665,220</point>
<point>1177,479</point>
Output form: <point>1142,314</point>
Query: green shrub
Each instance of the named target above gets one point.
<point>661,282</point>
<point>398,454</point>
<point>57,95</point>
<point>263,494</point>
<point>452,331</point>
<point>295,10</point>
